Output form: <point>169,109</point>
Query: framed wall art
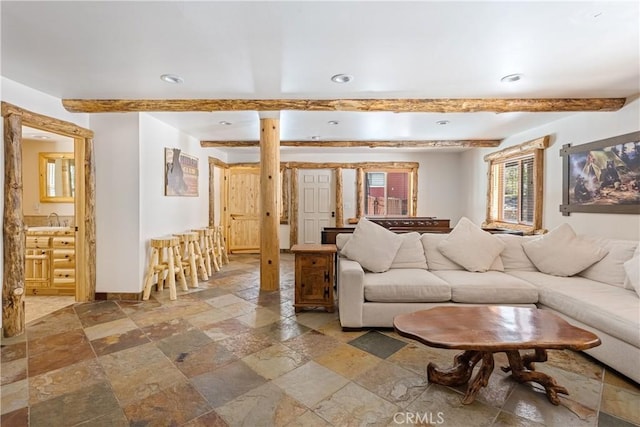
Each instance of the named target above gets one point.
<point>180,173</point>
<point>602,176</point>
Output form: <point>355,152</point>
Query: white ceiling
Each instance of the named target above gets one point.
<point>262,50</point>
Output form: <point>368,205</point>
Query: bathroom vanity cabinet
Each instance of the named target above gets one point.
<point>50,265</point>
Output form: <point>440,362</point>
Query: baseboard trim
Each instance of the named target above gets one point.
<point>118,296</point>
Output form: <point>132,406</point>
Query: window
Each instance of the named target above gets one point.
<point>386,193</point>
<point>515,186</point>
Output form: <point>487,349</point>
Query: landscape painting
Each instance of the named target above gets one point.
<point>603,176</point>
<point>181,173</point>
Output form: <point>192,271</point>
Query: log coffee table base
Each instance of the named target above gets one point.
<point>521,367</point>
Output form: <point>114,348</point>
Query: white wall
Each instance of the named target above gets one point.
<point>117,157</point>
<point>159,214</point>
<point>31,148</point>
<point>580,128</point>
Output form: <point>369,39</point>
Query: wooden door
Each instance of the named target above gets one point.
<point>317,203</point>
<point>244,210</point>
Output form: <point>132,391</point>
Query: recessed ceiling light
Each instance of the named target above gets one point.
<point>511,78</point>
<point>171,78</point>
<point>443,122</point>
<point>333,122</point>
<point>315,137</point>
<point>224,123</point>
<point>341,78</point>
<point>42,136</point>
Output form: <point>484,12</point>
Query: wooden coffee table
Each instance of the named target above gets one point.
<point>484,330</point>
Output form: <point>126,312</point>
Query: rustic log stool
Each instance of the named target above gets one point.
<point>219,245</point>
<point>205,238</point>
<point>165,257</point>
<point>192,256</point>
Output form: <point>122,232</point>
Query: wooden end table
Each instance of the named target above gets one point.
<point>484,330</point>
<point>315,272</point>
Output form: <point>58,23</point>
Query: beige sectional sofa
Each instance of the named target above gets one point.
<point>600,298</point>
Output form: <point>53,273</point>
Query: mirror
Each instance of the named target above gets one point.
<point>57,177</point>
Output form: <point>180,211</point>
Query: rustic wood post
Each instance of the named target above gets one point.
<point>339,202</point>
<point>293,224</point>
<point>359,193</point>
<point>89,221</point>
<point>14,232</point>
<point>212,194</point>
<point>414,192</point>
<point>269,216</point>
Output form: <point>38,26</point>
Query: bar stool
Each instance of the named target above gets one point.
<point>192,256</point>
<point>219,245</point>
<point>205,238</point>
<point>165,257</point>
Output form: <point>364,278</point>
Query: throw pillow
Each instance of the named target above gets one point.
<point>561,253</point>
<point>471,247</point>
<point>435,259</point>
<point>411,253</point>
<point>610,269</point>
<point>372,246</point>
<point>513,255</point>
<point>632,269</point>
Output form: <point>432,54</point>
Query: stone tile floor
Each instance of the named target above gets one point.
<point>228,354</point>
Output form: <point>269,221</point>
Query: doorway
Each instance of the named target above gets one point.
<point>48,191</point>
<point>317,203</point>
<point>14,229</point>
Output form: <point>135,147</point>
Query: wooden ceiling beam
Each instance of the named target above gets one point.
<point>371,144</point>
<point>534,105</point>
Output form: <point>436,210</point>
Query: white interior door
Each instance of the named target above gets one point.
<point>317,203</point>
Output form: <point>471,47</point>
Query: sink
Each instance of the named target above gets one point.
<point>49,228</point>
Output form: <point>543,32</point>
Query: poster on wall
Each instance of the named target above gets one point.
<point>180,173</point>
<point>602,176</point>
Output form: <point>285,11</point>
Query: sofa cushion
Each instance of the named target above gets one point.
<point>610,268</point>
<point>561,253</point>
<point>405,285</point>
<point>470,246</point>
<point>632,270</point>
<point>513,256</point>
<point>611,309</point>
<point>372,246</point>
<point>411,252</point>
<point>437,261</point>
<point>491,287</point>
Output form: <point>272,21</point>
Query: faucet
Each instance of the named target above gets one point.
<point>50,222</point>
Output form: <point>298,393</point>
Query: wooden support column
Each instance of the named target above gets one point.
<point>212,193</point>
<point>14,230</point>
<point>293,224</point>
<point>339,201</point>
<point>359,193</point>
<point>88,292</point>
<point>414,192</point>
<point>269,191</point>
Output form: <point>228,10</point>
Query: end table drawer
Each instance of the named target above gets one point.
<point>319,261</point>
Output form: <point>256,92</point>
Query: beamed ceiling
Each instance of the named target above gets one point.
<point>426,75</point>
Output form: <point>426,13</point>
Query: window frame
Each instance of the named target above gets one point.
<point>534,149</point>
<point>412,190</point>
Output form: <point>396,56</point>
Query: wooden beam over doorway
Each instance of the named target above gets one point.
<point>463,143</point>
<point>442,105</point>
